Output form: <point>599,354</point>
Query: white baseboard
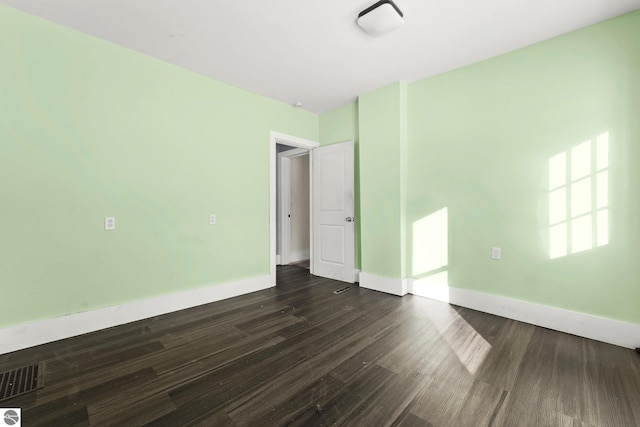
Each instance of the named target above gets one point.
<point>433,288</point>
<point>296,256</point>
<point>356,275</point>
<point>597,328</point>
<point>31,334</point>
<point>611,331</point>
<point>383,284</point>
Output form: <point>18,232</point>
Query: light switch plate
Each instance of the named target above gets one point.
<point>212,219</point>
<point>496,253</point>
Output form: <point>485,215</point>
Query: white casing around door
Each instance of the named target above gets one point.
<point>333,210</point>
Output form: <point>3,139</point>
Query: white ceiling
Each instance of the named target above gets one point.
<point>312,51</point>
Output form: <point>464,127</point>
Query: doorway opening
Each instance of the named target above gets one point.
<point>293,240</point>
<point>278,139</point>
<point>331,206</point>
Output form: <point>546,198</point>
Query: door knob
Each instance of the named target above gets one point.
<point>350,219</point>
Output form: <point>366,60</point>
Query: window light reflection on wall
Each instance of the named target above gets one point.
<point>579,198</point>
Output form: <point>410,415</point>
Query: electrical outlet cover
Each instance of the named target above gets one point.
<point>109,223</point>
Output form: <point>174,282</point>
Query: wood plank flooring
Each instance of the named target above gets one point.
<point>300,355</point>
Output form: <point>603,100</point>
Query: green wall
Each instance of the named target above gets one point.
<point>480,141</point>
<point>383,172</point>
<point>89,129</point>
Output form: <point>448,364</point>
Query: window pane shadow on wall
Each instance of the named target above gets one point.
<point>579,198</point>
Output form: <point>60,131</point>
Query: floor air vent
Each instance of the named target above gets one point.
<point>21,380</point>
<point>341,290</point>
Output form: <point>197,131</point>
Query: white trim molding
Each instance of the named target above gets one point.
<point>597,328</point>
<point>383,284</point>
<point>31,334</point>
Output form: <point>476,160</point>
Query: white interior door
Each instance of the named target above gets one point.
<point>333,220</point>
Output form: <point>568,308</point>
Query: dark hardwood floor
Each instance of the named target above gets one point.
<point>300,355</point>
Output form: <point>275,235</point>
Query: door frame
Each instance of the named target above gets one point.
<point>284,160</point>
<point>294,141</point>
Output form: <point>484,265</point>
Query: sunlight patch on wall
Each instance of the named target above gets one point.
<point>430,243</point>
<point>579,198</point>
<point>430,256</point>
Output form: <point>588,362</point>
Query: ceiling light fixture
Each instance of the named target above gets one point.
<point>380,18</point>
